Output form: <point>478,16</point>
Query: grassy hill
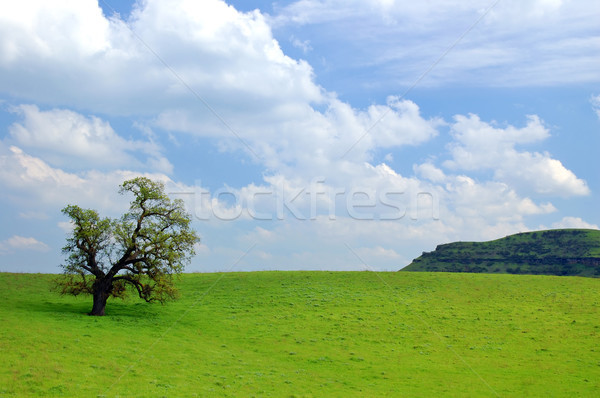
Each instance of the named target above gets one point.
<point>308,334</point>
<point>552,252</point>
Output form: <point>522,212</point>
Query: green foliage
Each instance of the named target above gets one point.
<point>144,248</point>
<point>321,334</point>
<point>552,252</point>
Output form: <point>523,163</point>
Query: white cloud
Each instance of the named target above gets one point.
<point>34,184</point>
<point>430,172</point>
<point>299,141</point>
<point>399,123</point>
<point>480,146</point>
<point>517,43</point>
<point>88,61</point>
<point>491,201</point>
<point>324,243</point>
<point>595,101</point>
<point>67,138</point>
<point>304,45</point>
<point>82,30</point>
<point>468,210</point>
<point>17,242</point>
<point>573,222</point>
<point>230,60</point>
<point>22,172</point>
<point>377,251</point>
<point>237,67</point>
<point>65,226</point>
<point>426,214</point>
<point>33,215</point>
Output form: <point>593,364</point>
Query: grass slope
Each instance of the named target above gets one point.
<point>552,252</point>
<point>307,334</point>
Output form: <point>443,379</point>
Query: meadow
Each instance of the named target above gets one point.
<point>308,334</point>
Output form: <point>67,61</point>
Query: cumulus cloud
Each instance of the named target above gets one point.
<point>325,219</point>
<point>69,139</point>
<point>479,146</point>
<point>595,101</point>
<point>214,55</point>
<point>34,184</point>
<point>304,45</point>
<point>65,226</point>
<point>573,222</point>
<point>205,69</point>
<point>492,201</point>
<point>377,251</point>
<point>111,65</point>
<point>23,172</point>
<point>319,238</point>
<point>399,123</point>
<point>430,172</point>
<point>340,244</point>
<point>19,243</point>
<point>83,29</point>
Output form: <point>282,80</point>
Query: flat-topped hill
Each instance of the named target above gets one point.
<point>551,252</point>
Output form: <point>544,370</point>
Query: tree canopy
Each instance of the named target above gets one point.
<point>143,248</point>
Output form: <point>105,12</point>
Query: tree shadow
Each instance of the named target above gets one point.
<point>116,308</point>
<point>46,306</point>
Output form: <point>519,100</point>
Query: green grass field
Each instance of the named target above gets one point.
<point>306,334</point>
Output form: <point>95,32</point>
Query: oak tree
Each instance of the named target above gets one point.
<point>144,248</point>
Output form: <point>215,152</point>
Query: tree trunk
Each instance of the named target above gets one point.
<point>102,289</point>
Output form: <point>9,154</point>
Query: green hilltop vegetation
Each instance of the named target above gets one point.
<point>551,252</point>
<point>308,334</point>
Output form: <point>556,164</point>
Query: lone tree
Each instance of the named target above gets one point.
<point>144,248</point>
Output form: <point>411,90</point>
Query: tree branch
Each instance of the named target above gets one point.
<point>138,286</point>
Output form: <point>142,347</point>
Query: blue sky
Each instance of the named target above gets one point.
<point>342,135</point>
